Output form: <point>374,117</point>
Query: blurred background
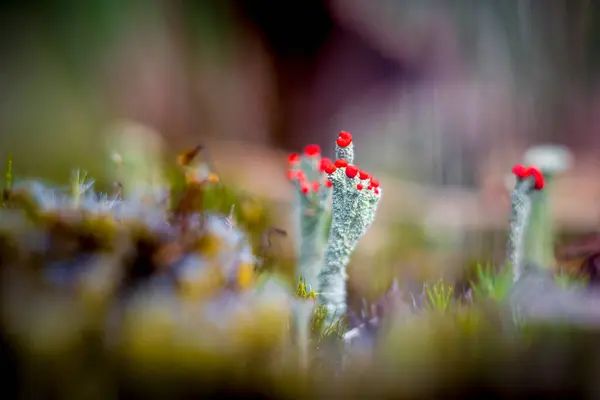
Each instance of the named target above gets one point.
<point>443,97</point>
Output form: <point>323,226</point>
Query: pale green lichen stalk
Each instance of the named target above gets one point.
<point>355,198</point>
<point>313,191</point>
<point>528,179</point>
<point>541,233</point>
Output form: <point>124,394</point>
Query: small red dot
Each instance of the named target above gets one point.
<point>351,171</point>
<point>374,182</point>
<point>324,163</point>
<point>315,186</point>
<point>291,174</point>
<point>294,158</point>
<point>376,191</point>
<point>363,175</point>
<point>304,189</point>
<point>359,187</point>
<point>312,150</point>
<point>328,183</point>
<point>341,163</point>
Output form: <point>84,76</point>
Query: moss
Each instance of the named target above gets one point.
<point>440,295</point>
<point>164,303</point>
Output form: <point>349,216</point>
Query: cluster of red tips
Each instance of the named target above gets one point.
<point>523,172</point>
<point>374,185</point>
<point>351,172</point>
<point>296,174</point>
<point>312,150</point>
<point>344,139</point>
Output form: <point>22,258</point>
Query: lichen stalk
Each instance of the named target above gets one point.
<point>355,197</point>
<point>312,192</point>
<point>540,238</point>
<point>520,211</point>
<point>539,246</point>
<point>333,276</point>
<point>528,179</point>
<point>344,149</point>
<point>311,247</point>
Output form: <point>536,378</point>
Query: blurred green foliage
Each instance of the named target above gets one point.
<point>492,284</point>
<point>440,295</point>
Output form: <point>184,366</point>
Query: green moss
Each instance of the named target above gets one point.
<point>440,295</point>
<point>491,284</point>
<point>448,341</point>
<point>302,291</point>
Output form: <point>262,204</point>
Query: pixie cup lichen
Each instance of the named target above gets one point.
<point>552,160</point>
<point>356,195</point>
<point>528,180</point>
<point>313,191</point>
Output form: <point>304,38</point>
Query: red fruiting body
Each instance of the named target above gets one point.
<point>538,176</point>
<point>359,187</point>
<point>291,174</point>
<point>293,158</point>
<point>343,142</point>
<point>341,163</point>
<point>324,163</point>
<point>351,171</point>
<point>344,139</point>
<point>523,172</point>
<point>345,135</point>
<point>304,189</point>
<point>328,183</point>
<point>315,186</point>
<point>312,150</point>
<point>520,171</point>
<point>374,182</point>
<point>376,191</point>
<point>330,169</point>
<point>363,175</point>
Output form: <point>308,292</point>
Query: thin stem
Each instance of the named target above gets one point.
<point>519,219</point>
